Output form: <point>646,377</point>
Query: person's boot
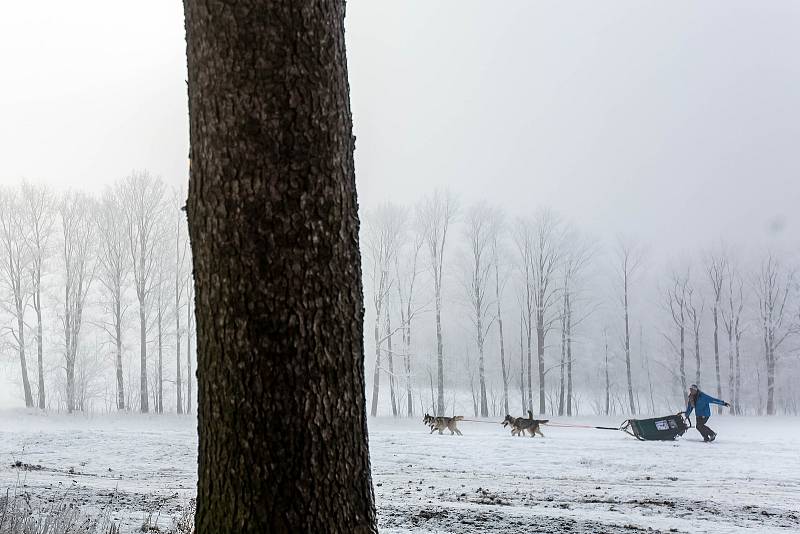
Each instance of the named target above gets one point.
<point>712,436</point>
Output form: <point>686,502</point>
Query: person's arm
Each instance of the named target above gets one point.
<point>714,400</point>
<point>689,409</point>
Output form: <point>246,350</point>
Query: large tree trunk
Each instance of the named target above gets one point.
<point>273,221</point>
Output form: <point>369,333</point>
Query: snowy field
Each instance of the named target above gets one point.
<point>573,480</point>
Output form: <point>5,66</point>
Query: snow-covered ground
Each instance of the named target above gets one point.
<point>574,480</point>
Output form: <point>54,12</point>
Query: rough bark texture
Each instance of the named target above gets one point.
<point>273,223</point>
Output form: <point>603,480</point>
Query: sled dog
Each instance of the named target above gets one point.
<point>519,425</point>
<point>440,423</point>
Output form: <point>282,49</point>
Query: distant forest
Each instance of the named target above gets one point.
<point>468,308</point>
<point>473,310</point>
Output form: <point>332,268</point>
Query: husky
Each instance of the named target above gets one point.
<point>440,423</point>
<point>520,424</point>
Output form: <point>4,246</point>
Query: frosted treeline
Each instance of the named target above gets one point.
<point>95,296</point>
<point>473,310</point>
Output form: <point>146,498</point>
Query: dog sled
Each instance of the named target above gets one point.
<point>656,429</point>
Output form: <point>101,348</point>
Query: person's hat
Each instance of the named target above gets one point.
<point>693,386</point>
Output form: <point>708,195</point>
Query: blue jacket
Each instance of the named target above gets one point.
<point>701,405</point>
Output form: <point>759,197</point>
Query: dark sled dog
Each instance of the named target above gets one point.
<point>519,425</point>
<point>440,423</point>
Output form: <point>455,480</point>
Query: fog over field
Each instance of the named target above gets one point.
<point>574,209</point>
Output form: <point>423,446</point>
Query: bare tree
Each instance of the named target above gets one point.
<point>406,284</point>
<point>629,260</point>
<point>478,233</point>
<point>696,306</point>
<point>189,335</point>
<point>717,269</point>
<point>732,321</point>
<point>142,201</point>
<point>437,213</point>
<point>39,213</point>
<point>382,233</point>
<point>181,241</point>
<point>15,268</point>
<point>576,255</point>
<point>113,271</point>
<point>677,300</point>
<point>497,232</point>
<point>76,215</point>
<point>161,302</point>
<point>539,241</point>
<point>773,284</point>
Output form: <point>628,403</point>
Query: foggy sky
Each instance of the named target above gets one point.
<point>677,122</point>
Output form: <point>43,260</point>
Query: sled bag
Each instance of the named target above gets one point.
<point>657,429</point>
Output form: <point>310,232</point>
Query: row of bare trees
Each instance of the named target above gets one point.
<point>78,264</point>
<point>453,272</point>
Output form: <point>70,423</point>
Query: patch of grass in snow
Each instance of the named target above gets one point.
<point>22,514</point>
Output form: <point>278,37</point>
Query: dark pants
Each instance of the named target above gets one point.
<point>703,429</point>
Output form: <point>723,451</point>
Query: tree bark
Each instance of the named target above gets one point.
<point>273,222</point>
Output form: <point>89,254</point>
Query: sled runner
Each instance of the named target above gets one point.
<point>657,429</point>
